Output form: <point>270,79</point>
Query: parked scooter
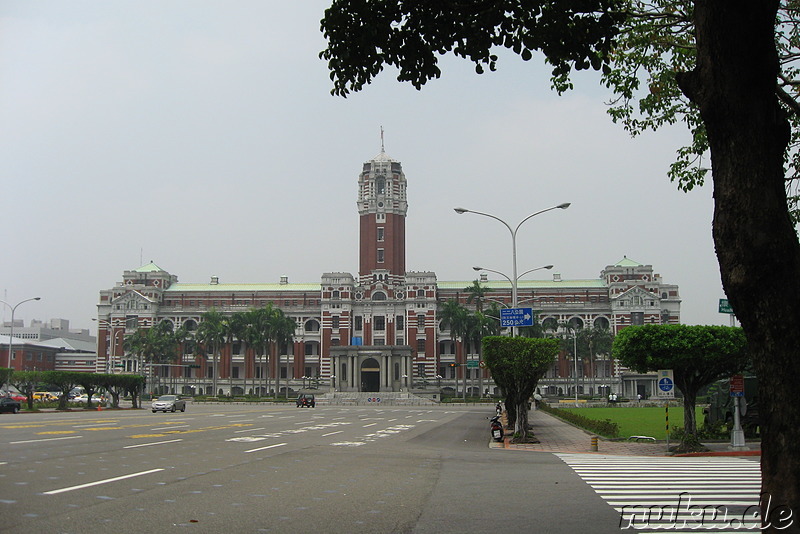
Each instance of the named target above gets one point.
<point>497,428</point>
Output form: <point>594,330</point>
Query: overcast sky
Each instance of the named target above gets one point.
<point>202,135</point>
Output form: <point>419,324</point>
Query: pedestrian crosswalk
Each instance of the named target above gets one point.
<point>679,494</point>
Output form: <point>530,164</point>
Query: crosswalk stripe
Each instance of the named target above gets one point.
<point>691,494</point>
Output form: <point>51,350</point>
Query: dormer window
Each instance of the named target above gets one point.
<point>380,185</point>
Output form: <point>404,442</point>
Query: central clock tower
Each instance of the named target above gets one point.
<point>382,207</point>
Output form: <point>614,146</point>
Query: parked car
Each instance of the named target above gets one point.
<point>44,396</point>
<point>16,395</point>
<point>96,399</point>
<point>9,405</point>
<point>306,400</point>
<point>169,403</point>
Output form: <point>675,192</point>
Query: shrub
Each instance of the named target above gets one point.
<point>606,428</point>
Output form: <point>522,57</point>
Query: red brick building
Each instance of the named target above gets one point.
<point>377,330</point>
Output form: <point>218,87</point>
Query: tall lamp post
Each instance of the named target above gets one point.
<point>11,333</point>
<point>514,277</point>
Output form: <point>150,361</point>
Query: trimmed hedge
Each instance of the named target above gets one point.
<point>606,428</point>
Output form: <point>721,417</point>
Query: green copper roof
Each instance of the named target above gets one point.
<point>626,262</point>
<point>149,268</point>
<point>228,288</point>
<point>526,284</point>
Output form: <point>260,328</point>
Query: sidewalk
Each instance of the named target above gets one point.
<point>556,435</point>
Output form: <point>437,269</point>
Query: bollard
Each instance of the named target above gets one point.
<point>593,447</point>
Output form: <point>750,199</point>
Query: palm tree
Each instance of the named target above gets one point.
<point>477,293</point>
<point>453,317</point>
<point>211,334</point>
<point>234,328</point>
<point>283,330</point>
<point>258,335</point>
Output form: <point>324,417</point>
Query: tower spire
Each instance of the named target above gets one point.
<point>382,150</point>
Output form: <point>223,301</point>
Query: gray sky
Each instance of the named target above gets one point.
<point>202,135</point>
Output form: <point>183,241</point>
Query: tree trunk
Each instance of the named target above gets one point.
<point>734,86</point>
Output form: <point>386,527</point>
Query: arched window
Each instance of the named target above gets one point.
<point>379,295</point>
<point>312,325</point>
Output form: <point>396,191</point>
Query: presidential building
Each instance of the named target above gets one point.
<point>378,330</point>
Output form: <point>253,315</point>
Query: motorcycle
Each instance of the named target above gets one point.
<point>497,428</point>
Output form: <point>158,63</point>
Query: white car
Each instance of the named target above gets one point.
<point>169,403</point>
<point>96,399</point>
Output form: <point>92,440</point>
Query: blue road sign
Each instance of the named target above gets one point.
<point>666,384</point>
<point>516,317</point>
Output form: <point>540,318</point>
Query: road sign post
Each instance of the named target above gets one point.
<point>737,392</point>
<point>666,384</point>
<point>511,317</point>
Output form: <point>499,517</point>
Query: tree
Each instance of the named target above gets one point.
<point>258,334</point>
<point>697,355</point>
<point>517,364</point>
<point>283,329</point>
<point>453,317</point>
<point>734,62</point>
<point>26,383</point>
<point>211,334</point>
<point>477,294</point>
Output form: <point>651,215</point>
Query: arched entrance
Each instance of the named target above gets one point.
<point>370,375</point>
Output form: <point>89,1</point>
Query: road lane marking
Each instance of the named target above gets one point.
<point>152,443</point>
<point>168,427</point>
<point>99,482</point>
<point>44,439</point>
<point>267,447</point>
<point>332,433</point>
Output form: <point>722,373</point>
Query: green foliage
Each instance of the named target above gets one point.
<point>698,355</point>
<point>363,37</point>
<point>517,364</point>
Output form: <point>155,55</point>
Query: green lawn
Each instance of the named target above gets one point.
<point>635,421</point>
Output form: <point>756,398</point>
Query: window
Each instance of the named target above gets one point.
<point>234,372</point>
<point>379,341</point>
<point>637,318</point>
<point>335,321</point>
<point>397,371</point>
<point>380,233</point>
<point>359,322</point>
<point>421,321</point>
<point>400,323</point>
<point>380,255</point>
<point>421,293</point>
<point>335,342</point>
<point>421,345</point>
<point>380,322</point>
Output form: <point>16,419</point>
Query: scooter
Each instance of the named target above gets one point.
<point>497,428</point>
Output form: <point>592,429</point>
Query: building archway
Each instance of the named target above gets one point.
<point>370,375</point>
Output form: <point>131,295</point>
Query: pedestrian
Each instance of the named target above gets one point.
<point>638,397</point>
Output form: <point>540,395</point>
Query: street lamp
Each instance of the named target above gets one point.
<point>11,334</point>
<point>514,278</point>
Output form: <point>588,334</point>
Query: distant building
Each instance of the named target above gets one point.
<point>378,330</point>
<point>40,331</point>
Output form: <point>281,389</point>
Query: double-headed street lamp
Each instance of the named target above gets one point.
<point>514,277</point>
<point>11,334</point>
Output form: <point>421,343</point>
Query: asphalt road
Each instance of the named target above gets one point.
<point>281,469</point>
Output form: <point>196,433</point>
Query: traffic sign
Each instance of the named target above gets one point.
<point>472,364</point>
<point>725,306</point>
<point>737,386</point>
<point>516,317</point>
<point>666,384</point>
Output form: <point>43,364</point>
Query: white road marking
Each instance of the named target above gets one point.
<point>153,443</point>
<point>332,433</point>
<point>267,447</point>
<point>44,439</point>
<point>99,482</point>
